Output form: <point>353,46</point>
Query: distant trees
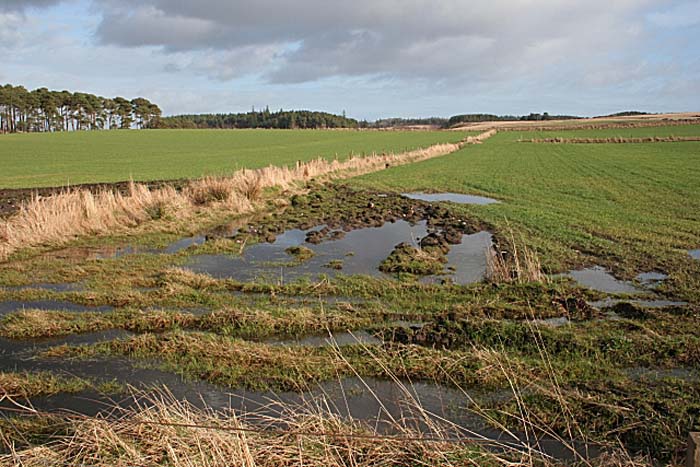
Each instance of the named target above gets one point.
<point>403,122</point>
<point>627,113</point>
<point>42,110</point>
<point>283,119</point>
<point>476,118</point>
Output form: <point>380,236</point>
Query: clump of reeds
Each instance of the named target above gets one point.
<point>251,186</point>
<point>208,190</point>
<point>511,261</point>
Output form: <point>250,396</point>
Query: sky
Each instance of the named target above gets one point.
<point>370,58</point>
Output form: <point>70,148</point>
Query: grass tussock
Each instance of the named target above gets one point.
<point>512,261</point>
<point>208,190</point>
<point>56,219</point>
<point>31,384</point>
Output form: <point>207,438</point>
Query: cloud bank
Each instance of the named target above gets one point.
<point>439,48</point>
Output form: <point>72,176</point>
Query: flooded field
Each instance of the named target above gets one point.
<point>381,309</point>
<point>358,251</point>
<point>11,306</point>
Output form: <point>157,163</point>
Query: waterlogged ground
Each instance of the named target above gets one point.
<point>370,303</point>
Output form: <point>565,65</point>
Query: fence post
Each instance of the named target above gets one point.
<point>693,459</point>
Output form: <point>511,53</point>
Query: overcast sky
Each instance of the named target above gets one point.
<point>371,58</point>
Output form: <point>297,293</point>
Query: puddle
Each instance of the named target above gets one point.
<point>695,254</point>
<point>223,231</point>
<point>183,244</point>
<point>358,252</point>
<point>469,258</point>
<point>17,353</point>
<point>11,306</point>
<point>114,252</point>
<point>652,277</point>
<point>451,197</point>
<point>599,279</point>
<point>121,251</point>
<point>361,251</point>
<point>610,302</point>
<point>651,280</point>
<point>337,338</point>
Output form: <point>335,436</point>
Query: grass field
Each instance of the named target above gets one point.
<point>631,207</point>
<point>39,160</point>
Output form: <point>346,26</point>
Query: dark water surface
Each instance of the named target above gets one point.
<point>360,251</point>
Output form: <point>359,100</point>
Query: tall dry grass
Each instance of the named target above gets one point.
<point>50,221</point>
<point>512,261</point>
<point>163,431</point>
<point>160,430</point>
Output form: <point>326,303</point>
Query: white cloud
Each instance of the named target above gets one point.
<point>436,39</point>
<point>372,58</point>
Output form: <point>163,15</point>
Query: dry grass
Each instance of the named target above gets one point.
<point>512,261</point>
<point>56,219</point>
<point>478,139</point>
<point>162,431</point>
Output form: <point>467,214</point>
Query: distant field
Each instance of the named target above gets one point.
<point>679,130</point>
<point>632,207</point>
<point>40,160</point>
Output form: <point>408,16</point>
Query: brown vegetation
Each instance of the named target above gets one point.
<point>510,261</point>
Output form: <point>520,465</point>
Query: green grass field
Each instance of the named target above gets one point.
<point>38,160</point>
<point>631,207</point>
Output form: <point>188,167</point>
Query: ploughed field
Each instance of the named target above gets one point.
<point>557,308</point>
<point>60,159</point>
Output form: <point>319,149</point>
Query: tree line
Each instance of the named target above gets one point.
<point>42,110</point>
<point>282,119</point>
<point>477,118</point>
<point>399,122</point>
